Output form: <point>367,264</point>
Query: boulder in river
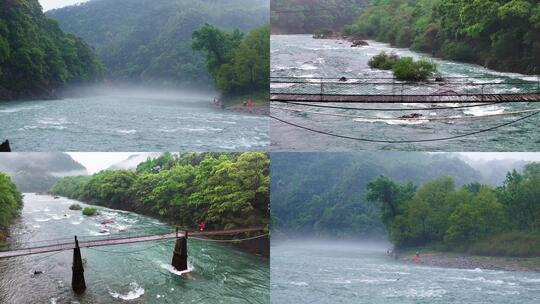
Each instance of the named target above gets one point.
<point>412,115</point>
<point>4,147</point>
<point>359,42</point>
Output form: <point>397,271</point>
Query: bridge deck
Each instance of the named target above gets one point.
<point>405,98</point>
<point>117,241</point>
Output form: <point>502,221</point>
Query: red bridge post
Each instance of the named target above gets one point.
<point>179,260</point>
<point>77,281</point>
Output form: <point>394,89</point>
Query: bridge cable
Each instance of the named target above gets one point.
<point>389,109</point>
<point>442,118</point>
<point>131,251</point>
<point>233,240</point>
<point>403,141</point>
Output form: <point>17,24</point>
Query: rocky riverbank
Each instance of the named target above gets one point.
<point>355,42</point>
<point>37,94</point>
<point>464,261</point>
<point>256,103</point>
<point>256,109</point>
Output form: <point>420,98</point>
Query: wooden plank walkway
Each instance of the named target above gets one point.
<point>404,98</point>
<point>118,241</point>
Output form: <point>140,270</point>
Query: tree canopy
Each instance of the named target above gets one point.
<point>225,190</point>
<point>238,63</point>
<point>500,34</point>
<point>438,212</point>
<point>36,57</point>
<point>10,203</point>
<point>325,194</point>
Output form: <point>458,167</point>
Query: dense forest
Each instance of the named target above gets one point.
<point>225,190</point>
<point>37,172</point>
<point>238,63</point>
<point>503,220</point>
<point>499,34</point>
<point>10,203</point>
<point>150,41</point>
<point>325,194</point>
<point>36,57</point>
<point>309,16</point>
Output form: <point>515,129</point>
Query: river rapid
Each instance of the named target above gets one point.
<point>130,120</point>
<point>131,273</point>
<point>303,56</point>
<point>329,272</point>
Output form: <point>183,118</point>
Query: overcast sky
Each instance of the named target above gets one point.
<point>95,161</point>
<point>50,4</point>
<point>527,156</point>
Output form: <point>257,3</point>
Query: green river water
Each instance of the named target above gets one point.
<point>131,273</point>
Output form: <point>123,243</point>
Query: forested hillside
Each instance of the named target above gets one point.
<point>503,220</point>
<point>37,172</point>
<point>308,16</point>
<point>10,203</point>
<point>225,190</point>
<point>150,41</point>
<point>325,194</point>
<point>238,63</point>
<point>36,57</point>
<point>499,34</point>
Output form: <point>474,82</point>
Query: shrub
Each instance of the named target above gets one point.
<point>89,211</point>
<point>408,69</point>
<point>321,33</point>
<point>75,207</point>
<point>383,61</point>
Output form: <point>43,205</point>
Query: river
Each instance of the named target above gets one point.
<point>132,273</point>
<point>303,56</point>
<point>304,272</point>
<point>130,120</point>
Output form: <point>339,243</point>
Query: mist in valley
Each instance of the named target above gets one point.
<point>335,237</point>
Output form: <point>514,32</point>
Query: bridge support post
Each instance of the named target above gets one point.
<point>77,281</point>
<point>179,260</point>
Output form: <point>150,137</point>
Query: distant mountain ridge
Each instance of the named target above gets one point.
<point>132,161</point>
<point>37,172</point>
<point>150,41</point>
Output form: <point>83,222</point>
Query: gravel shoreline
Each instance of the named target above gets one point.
<point>464,261</point>
<point>262,110</point>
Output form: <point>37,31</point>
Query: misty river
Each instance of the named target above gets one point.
<point>329,272</point>
<point>303,56</point>
<point>130,120</point>
<point>131,273</point>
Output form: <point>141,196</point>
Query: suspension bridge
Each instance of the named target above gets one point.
<point>179,259</point>
<point>390,90</point>
<point>310,98</point>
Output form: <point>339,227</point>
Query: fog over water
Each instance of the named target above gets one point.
<point>322,271</point>
<point>130,119</point>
